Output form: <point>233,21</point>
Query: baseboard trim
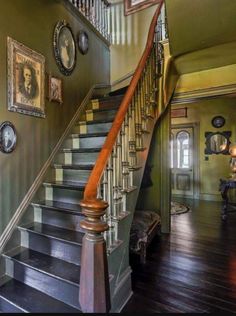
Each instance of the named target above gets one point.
<point>211,197</point>
<point>121,80</point>
<point>39,179</point>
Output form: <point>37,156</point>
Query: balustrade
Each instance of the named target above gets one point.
<point>97,13</point>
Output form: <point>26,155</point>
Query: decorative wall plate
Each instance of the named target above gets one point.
<point>64,47</point>
<point>83,42</point>
<point>218,121</point>
<point>7,137</point>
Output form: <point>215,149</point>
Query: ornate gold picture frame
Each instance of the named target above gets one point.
<point>132,6</point>
<point>26,80</point>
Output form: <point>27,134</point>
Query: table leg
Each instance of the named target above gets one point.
<point>225,203</point>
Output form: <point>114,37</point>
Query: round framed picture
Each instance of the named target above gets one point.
<point>7,137</point>
<point>64,47</point>
<point>83,42</point>
<point>218,121</point>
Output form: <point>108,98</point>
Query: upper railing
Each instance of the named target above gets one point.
<point>113,176</point>
<point>97,13</point>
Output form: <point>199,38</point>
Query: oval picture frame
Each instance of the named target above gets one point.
<point>64,47</point>
<point>83,42</point>
<point>218,121</point>
<point>7,137</point>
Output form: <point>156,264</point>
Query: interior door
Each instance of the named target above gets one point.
<point>182,166</point>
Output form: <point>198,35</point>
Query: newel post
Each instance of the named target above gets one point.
<point>94,293</point>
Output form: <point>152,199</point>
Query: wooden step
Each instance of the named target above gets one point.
<point>17,297</point>
<point>67,208</point>
<point>52,276</point>
<point>61,243</point>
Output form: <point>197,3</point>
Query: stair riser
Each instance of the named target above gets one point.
<point>104,115</point>
<point>87,142</point>
<point>72,175</point>
<point>58,289</point>
<point>51,246</point>
<point>77,158</point>
<point>98,115</point>
<point>92,128</point>
<point>57,218</point>
<point>63,195</point>
<point>104,105</point>
<point>8,307</point>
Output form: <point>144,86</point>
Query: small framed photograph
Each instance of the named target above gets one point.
<point>7,137</point>
<point>83,42</point>
<point>64,47</point>
<point>132,6</point>
<point>55,89</point>
<point>26,80</point>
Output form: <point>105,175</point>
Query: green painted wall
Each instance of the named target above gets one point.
<point>129,39</point>
<point>218,165</point>
<point>156,197</point>
<point>198,24</point>
<point>32,23</point>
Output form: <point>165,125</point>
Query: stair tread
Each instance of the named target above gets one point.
<point>110,98</point>
<point>81,150</point>
<point>32,300</point>
<point>47,264</point>
<point>66,184</point>
<point>88,135</point>
<point>110,108</point>
<point>75,166</point>
<point>98,121</point>
<point>63,234</point>
<point>56,205</point>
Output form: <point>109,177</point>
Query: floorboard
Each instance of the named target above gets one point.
<point>191,270</point>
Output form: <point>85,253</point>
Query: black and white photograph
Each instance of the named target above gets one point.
<point>64,47</point>
<point>7,137</point>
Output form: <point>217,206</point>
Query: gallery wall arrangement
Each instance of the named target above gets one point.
<point>26,77</point>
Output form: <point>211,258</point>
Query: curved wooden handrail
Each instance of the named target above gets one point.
<point>90,192</point>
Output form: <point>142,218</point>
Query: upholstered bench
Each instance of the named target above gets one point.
<point>145,225</point>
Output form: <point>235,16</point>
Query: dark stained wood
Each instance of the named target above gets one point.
<point>191,270</point>
<point>94,295</point>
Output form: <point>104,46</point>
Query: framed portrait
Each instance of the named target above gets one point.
<point>64,47</point>
<point>55,89</point>
<point>26,80</point>
<point>132,6</point>
<point>7,137</point>
<point>83,42</point>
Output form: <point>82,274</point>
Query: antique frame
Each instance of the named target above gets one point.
<point>83,42</point>
<point>26,80</point>
<point>224,150</point>
<point>7,137</point>
<point>130,7</point>
<point>64,47</point>
<point>218,121</point>
<point>180,112</point>
<point>55,89</point>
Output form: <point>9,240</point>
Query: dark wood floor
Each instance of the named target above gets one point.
<point>191,270</point>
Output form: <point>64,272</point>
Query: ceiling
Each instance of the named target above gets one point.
<point>202,33</point>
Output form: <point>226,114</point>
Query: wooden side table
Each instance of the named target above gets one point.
<point>225,186</point>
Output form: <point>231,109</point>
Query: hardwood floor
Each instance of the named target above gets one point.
<point>191,270</point>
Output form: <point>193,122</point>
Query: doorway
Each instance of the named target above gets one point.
<point>184,161</point>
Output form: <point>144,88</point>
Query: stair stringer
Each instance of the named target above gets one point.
<point>118,259</point>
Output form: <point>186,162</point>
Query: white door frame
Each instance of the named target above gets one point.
<point>196,156</point>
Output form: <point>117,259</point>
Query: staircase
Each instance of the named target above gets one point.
<point>43,273</point>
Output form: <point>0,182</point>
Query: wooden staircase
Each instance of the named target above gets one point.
<point>43,273</point>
